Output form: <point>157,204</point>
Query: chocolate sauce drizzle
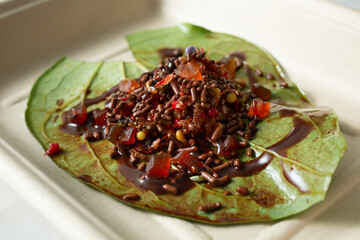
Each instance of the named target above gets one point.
<point>292,175</point>
<point>155,184</point>
<point>169,52</point>
<point>102,97</point>
<point>88,127</point>
<point>252,79</point>
<point>298,133</point>
<point>301,129</point>
<point>240,55</point>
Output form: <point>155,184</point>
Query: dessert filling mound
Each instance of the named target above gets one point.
<point>186,118</point>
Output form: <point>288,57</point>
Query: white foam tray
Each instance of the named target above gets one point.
<point>317,42</point>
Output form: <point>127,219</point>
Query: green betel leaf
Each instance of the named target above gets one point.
<point>290,183</point>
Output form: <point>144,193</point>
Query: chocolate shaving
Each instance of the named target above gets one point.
<point>210,207</point>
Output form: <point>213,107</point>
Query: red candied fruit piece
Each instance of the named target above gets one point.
<point>178,105</point>
<point>213,112</point>
<point>128,86</point>
<point>99,117</point>
<point>123,98</point>
<point>165,81</point>
<point>190,70</point>
<point>186,159</point>
<point>177,123</point>
<point>78,115</point>
<point>159,165</point>
<point>53,150</point>
<point>259,108</point>
<point>128,137</point>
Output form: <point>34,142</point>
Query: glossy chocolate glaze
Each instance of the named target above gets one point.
<point>155,184</point>
<point>293,176</point>
<point>88,127</point>
<point>301,129</point>
<point>169,52</point>
<point>102,97</point>
<point>251,77</point>
<point>240,55</point>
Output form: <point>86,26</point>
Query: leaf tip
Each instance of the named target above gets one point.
<point>189,28</point>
